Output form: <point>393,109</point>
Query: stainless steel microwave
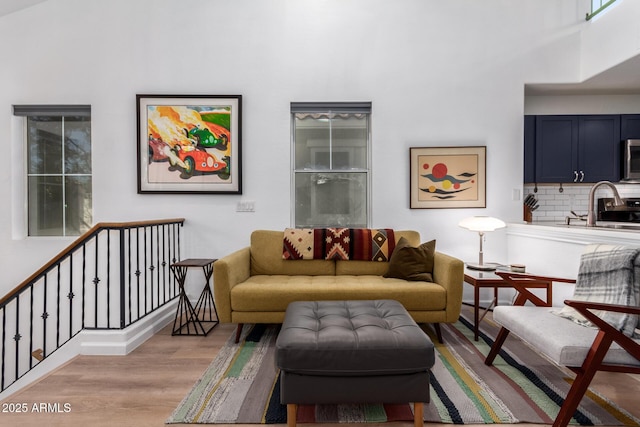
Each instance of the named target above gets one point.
<point>631,160</point>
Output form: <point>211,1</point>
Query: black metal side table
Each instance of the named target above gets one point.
<point>188,316</point>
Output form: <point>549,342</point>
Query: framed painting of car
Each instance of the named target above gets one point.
<point>189,144</point>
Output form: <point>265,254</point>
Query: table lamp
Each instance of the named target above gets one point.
<point>481,224</point>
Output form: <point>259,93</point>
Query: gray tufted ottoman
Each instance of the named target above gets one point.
<point>332,352</point>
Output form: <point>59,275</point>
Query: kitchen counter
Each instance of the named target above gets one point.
<point>603,232</point>
<point>554,249</point>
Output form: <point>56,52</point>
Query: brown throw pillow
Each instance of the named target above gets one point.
<point>409,263</point>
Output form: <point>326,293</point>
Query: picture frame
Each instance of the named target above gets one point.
<point>447,177</point>
<point>189,144</point>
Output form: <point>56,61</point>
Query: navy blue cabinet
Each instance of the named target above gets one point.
<point>599,148</point>
<point>556,150</point>
<point>574,148</point>
<point>630,126</point>
<point>529,148</point>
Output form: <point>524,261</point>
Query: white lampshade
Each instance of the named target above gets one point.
<point>482,223</point>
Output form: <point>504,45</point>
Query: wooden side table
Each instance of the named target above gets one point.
<point>488,279</point>
<point>188,316</point>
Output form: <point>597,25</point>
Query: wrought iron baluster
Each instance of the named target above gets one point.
<point>30,325</point>
<point>128,232</point>
<point>45,316</point>
<point>96,280</point>
<point>165,264</point>
<point>146,291</point>
<point>172,255</point>
<point>58,308</point>
<point>17,336</point>
<point>138,270</point>
<point>4,344</point>
<point>158,263</point>
<point>84,283</point>
<point>70,295</point>
<point>152,268</point>
<point>122,283</point>
<point>108,279</point>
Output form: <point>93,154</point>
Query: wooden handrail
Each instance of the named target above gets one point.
<point>84,237</point>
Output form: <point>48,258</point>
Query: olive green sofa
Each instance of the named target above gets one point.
<point>255,284</point>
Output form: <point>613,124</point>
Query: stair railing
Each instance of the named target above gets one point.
<point>109,278</point>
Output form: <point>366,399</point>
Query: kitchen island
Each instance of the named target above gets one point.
<point>554,249</point>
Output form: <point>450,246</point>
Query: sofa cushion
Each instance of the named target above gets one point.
<point>410,263</point>
<point>358,268</point>
<point>268,293</point>
<point>266,258</point>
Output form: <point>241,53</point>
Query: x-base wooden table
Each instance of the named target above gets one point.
<point>488,279</point>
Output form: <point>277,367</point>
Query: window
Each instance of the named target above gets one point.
<point>598,6</point>
<point>58,169</point>
<point>331,164</point>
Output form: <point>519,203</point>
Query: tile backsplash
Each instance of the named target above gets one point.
<point>556,205</point>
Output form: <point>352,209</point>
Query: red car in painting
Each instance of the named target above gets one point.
<point>200,161</point>
<point>158,150</point>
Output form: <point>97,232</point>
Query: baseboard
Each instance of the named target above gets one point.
<point>122,342</point>
<point>98,343</point>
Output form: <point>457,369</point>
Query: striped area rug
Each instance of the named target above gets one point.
<point>241,387</point>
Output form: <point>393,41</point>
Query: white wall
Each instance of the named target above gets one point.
<point>610,39</point>
<point>438,74</point>
<point>582,104</point>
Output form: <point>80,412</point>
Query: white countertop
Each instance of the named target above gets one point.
<point>602,233</point>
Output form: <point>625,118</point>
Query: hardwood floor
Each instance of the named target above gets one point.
<point>144,387</point>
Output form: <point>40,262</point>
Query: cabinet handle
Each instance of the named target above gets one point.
<point>575,176</point>
<point>581,176</point>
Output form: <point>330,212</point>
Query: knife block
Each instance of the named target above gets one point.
<point>527,214</point>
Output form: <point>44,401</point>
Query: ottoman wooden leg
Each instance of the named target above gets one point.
<point>418,414</point>
<point>292,414</point>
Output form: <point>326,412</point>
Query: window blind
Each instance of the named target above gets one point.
<point>334,107</point>
<point>51,110</point>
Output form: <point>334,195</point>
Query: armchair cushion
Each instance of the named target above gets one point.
<point>563,341</point>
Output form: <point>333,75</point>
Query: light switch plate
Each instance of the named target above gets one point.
<point>246,206</point>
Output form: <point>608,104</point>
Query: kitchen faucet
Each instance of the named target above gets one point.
<point>617,201</point>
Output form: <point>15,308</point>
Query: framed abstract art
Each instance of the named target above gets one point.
<point>448,177</point>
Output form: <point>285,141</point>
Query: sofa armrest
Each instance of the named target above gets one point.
<point>227,272</point>
<point>448,272</point>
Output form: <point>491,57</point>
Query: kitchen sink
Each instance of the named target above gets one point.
<point>633,226</point>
